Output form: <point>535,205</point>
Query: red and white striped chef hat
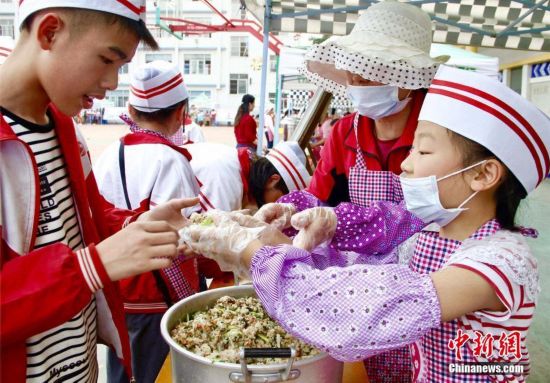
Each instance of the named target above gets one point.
<point>132,9</point>
<point>6,47</point>
<point>290,161</point>
<point>156,85</point>
<point>488,112</point>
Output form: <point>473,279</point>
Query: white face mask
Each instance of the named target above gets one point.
<point>422,198</point>
<point>376,102</point>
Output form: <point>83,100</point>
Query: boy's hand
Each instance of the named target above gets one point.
<point>170,212</point>
<point>138,248</point>
<point>148,244</point>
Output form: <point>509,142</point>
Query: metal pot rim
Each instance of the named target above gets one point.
<point>203,360</point>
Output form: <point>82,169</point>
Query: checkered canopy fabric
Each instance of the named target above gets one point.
<point>300,99</point>
<point>512,24</point>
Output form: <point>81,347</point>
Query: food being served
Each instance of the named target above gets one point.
<point>218,332</point>
<point>200,219</point>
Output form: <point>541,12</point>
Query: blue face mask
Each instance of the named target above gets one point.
<point>376,102</point>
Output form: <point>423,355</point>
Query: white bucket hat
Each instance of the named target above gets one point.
<point>498,118</point>
<point>156,85</point>
<point>290,161</point>
<point>6,47</point>
<point>132,9</point>
<point>390,44</point>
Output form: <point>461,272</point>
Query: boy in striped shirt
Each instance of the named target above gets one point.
<point>62,245</point>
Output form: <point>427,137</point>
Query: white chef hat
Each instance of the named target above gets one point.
<point>488,112</point>
<point>156,85</point>
<point>290,161</point>
<point>132,9</point>
<point>6,47</point>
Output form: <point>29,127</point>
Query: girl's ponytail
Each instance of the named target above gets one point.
<point>243,108</point>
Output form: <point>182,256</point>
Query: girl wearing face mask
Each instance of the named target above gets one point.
<point>463,295</point>
<point>384,67</point>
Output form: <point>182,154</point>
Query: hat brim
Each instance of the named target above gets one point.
<point>392,63</point>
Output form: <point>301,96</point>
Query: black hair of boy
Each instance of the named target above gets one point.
<point>261,169</point>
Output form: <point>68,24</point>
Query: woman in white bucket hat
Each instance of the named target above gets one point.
<point>384,67</point>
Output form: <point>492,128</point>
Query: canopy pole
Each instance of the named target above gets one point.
<point>278,102</point>
<point>521,17</point>
<point>267,19</point>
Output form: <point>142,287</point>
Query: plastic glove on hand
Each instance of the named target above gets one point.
<point>316,226</point>
<point>223,242</point>
<point>277,215</point>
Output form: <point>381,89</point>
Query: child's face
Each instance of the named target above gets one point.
<point>434,153</point>
<point>76,70</point>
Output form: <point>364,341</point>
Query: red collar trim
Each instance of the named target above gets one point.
<point>367,138</point>
<point>139,138</point>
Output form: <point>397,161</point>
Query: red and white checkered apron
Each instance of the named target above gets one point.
<point>431,355</point>
<point>366,186</point>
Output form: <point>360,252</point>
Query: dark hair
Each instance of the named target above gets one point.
<point>260,171</point>
<point>243,108</point>
<point>81,20</point>
<point>160,115</point>
<point>509,193</point>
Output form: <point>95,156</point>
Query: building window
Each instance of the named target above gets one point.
<point>273,63</point>
<point>197,64</point>
<point>123,69</point>
<point>158,56</point>
<point>238,83</point>
<point>119,98</point>
<point>239,46</point>
<point>6,27</point>
<point>515,79</point>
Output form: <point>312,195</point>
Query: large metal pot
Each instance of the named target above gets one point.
<point>188,367</point>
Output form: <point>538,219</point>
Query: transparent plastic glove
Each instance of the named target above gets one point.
<point>223,242</point>
<point>277,215</point>
<point>216,217</point>
<point>316,226</point>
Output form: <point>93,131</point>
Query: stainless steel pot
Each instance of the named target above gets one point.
<point>188,367</point>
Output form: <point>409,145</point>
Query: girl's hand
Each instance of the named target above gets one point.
<point>316,226</point>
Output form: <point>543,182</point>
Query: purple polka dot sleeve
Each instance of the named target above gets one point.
<point>301,199</point>
<point>351,312</point>
<point>376,229</point>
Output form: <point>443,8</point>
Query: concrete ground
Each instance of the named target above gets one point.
<point>534,212</point>
<point>99,137</point>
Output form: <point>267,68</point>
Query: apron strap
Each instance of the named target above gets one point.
<point>156,273</point>
<point>359,158</point>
